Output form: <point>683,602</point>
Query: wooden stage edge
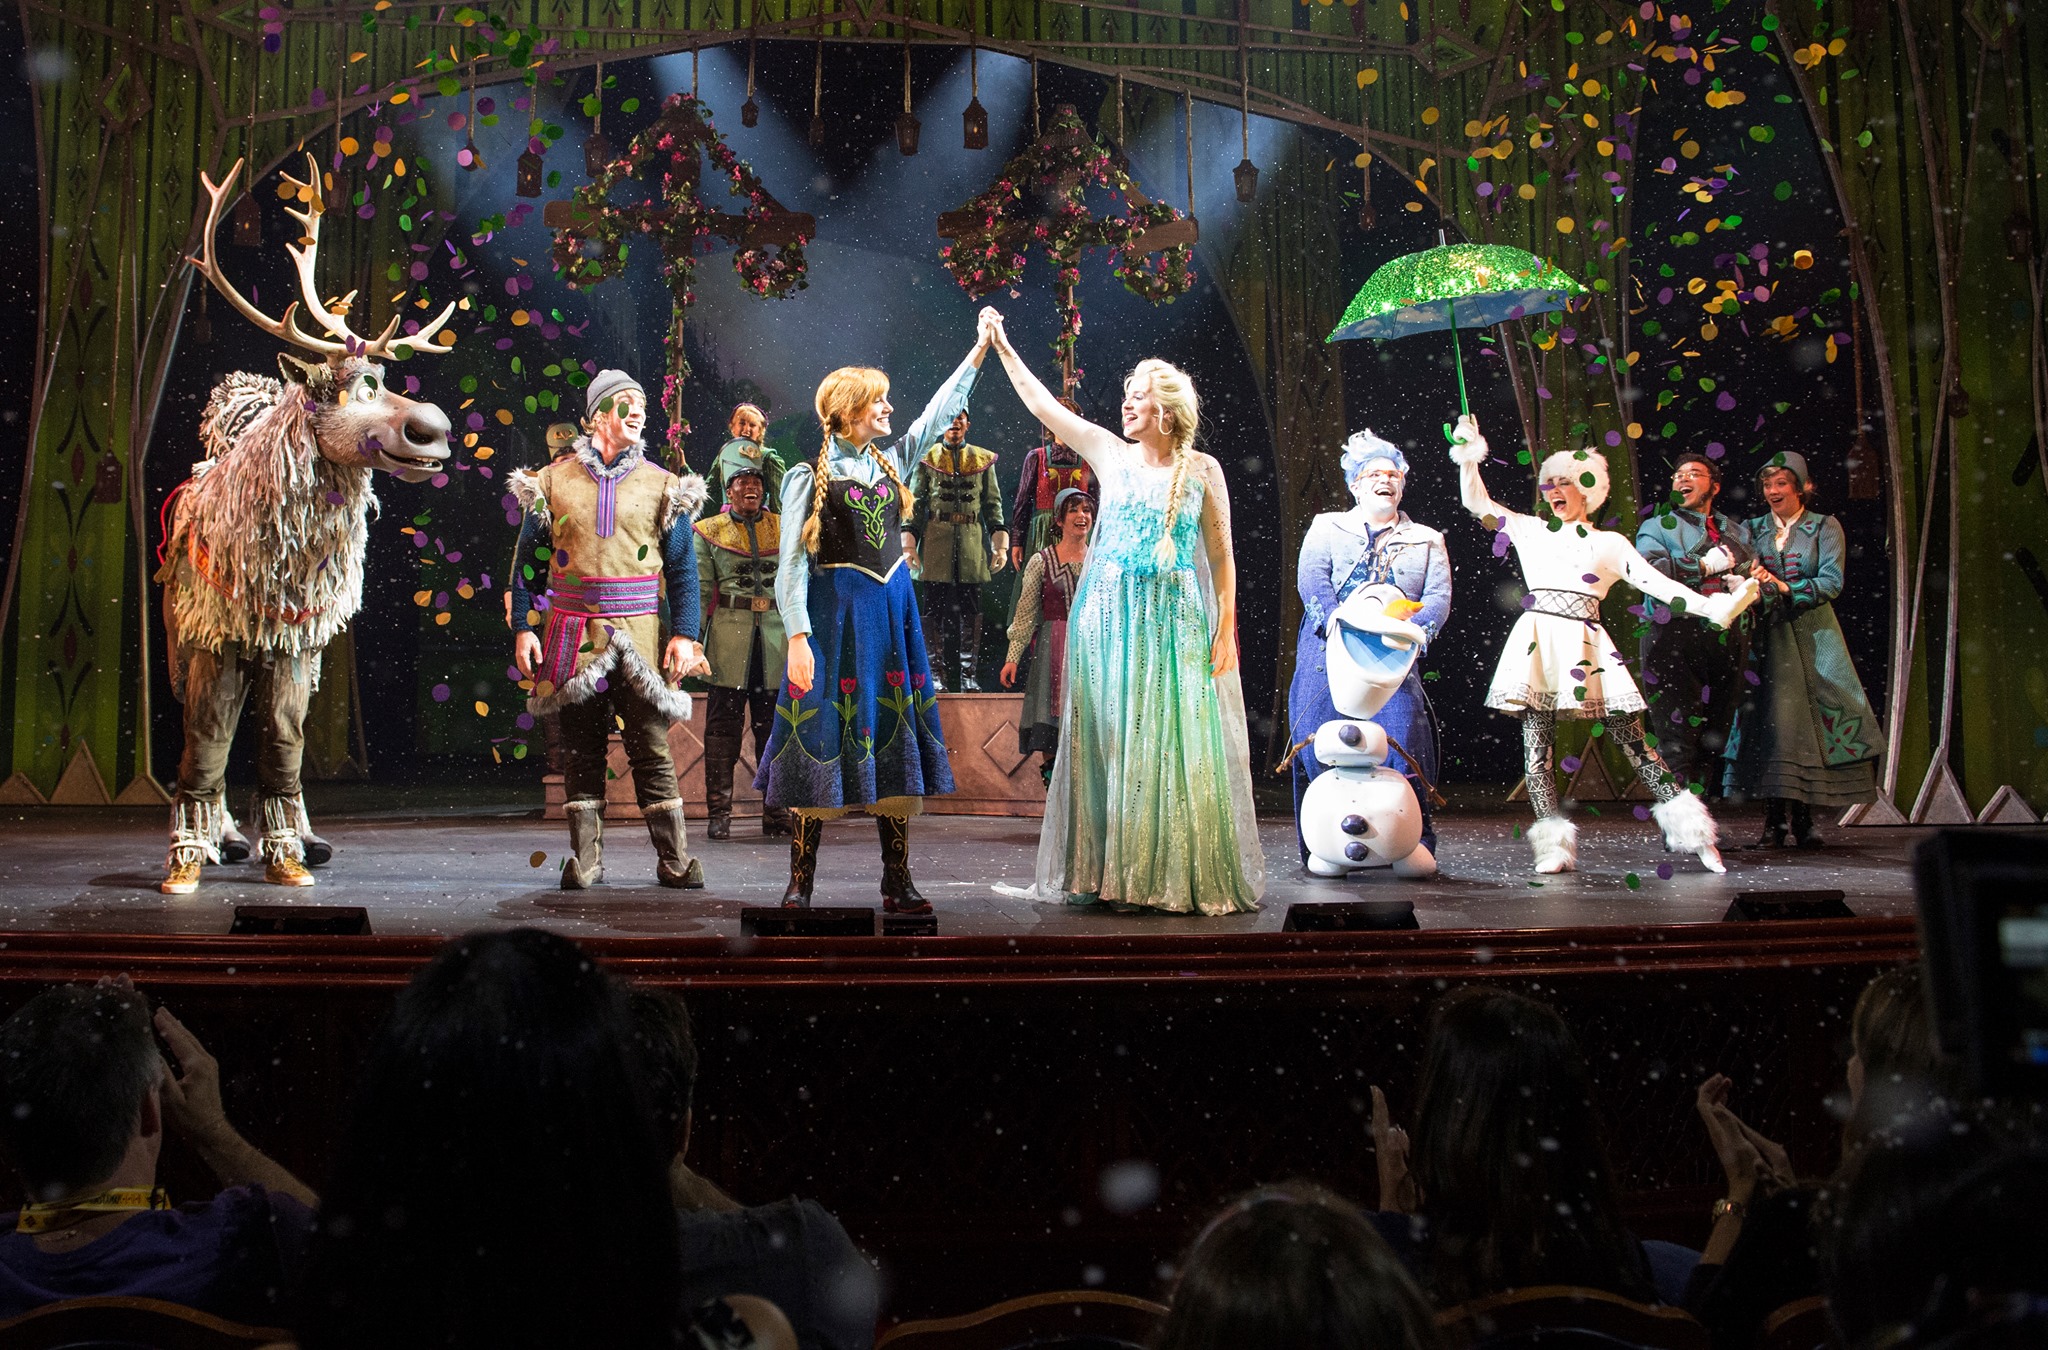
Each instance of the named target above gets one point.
<point>822,964</point>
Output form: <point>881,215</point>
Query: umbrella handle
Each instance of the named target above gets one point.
<point>1458,360</point>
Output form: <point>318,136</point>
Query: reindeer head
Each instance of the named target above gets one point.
<point>357,419</point>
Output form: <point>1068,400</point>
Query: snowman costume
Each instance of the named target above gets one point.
<point>1559,660</point>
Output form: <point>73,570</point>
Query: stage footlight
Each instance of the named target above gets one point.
<point>1750,906</point>
<point>910,925</point>
<point>1348,916</point>
<point>1247,175</point>
<point>301,921</point>
<point>821,921</point>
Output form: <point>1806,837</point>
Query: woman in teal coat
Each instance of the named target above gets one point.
<point>1805,735</point>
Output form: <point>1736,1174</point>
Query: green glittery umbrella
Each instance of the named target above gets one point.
<point>1454,286</point>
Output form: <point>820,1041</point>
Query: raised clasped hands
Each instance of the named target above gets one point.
<point>991,328</point>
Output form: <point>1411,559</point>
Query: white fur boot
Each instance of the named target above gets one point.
<point>1555,842</point>
<point>1689,828</point>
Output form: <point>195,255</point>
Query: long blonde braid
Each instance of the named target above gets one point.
<point>840,398</point>
<point>1175,393</point>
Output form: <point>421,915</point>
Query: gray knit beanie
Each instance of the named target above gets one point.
<point>604,385</point>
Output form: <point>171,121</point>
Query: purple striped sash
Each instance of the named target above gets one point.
<point>574,601</point>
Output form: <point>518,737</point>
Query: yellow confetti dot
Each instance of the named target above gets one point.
<point>1362,160</point>
<point>1475,128</point>
<point>1527,192</point>
<point>445,338</point>
<point>354,57</point>
<point>442,618</point>
<point>423,598</point>
<point>1831,349</point>
<point>1604,38</point>
<point>1591,89</point>
<point>1565,225</point>
<point>398,166</point>
<point>1709,331</point>
<point>349,145</point>
<point>1535,140</point>
<point>1803,259</point>
<point>1504,149</point>
<point>1635,429</point>
<point>1572,71</point>
<point>1430,116</point>
<point>1368,76</point>
<point>466,591</point>
<point>505,417</point>
<point>519,318</point>
<point>401,96</point>
<point>1605,146</point>
<point>1414,206</point>
<point>1837,47</point>
<point>483,452</point>
<point>1691,149</point>
<point>537,859</point>
<point>483,709</point>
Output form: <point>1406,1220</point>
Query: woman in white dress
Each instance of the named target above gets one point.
<point>1559,660</point>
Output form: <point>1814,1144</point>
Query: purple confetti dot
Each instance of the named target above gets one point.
<point>439,480</point>
<point>487,106</point>
<point>456,556</point>
<point>1715,449</point>
<point>419,540</point>
<point>1642,813</point>
<point>456,121</point>
<point>1755,680</point>
<point>441,693</point>
<point>418,271</point>
<point>1570,764</point>
<point>1726,402</point>
<point>1528,602</point>
<point>1663,871</point>
<point>334,498</point>
<point>1591,578</point>
<point>524,721</point>
<point>476,421</point>
<point>1614,438</point>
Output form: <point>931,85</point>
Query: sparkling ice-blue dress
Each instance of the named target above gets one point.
<point>1150,803</point>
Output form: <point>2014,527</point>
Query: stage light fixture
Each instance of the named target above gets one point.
<point>1749,906</point>
<point>1246,173</point>
<point>908,128</point>
<point>818,921</point>
<point>531,169</point>
<point>1350,916</point>
<point>974,119</point>
<point>301,921</point>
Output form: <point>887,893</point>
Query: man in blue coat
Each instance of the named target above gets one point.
<point>1692,671</point>
<point>1373,542</point>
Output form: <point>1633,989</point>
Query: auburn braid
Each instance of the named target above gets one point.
<point>904,499</point>
<point>822,476</point>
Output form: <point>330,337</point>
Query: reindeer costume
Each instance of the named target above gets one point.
<point>618,534</point>
<point>262,560</point>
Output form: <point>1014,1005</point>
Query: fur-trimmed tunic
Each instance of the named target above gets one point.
<point>625,526</point>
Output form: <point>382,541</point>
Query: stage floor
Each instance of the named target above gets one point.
<point>426,873</point>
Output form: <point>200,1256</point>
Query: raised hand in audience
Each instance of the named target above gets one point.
<point>1752,1163</point>
<point>1390,1146</point>
<point>192,1105</point>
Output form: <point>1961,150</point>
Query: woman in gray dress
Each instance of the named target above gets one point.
<point>1805,736</point>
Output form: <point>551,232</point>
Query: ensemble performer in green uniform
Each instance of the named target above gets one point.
<point>737,557</point>
<point>746,447</point>
<point>957,539</point>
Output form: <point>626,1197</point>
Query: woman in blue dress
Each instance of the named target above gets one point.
<point>1150,804</point>
<point>857,725</point>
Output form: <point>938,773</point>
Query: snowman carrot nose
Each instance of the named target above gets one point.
<point>1401,609</point>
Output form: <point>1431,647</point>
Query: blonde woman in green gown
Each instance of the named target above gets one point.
<point>1150,803</point>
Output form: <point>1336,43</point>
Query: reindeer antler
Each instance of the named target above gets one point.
<point>284,327</point>
<point>302,259</point>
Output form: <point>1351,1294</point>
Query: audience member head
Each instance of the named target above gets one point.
<point>501,1182</point>
<point>1895,1063</point>
<point>79,1077</point>
<point>1294,1268</point>
<point>1509,1159</point>
<point>661,1023</point>
<point>1935,1226</point>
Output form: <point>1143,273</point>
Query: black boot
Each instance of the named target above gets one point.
<point>1803,833</point>
<point>899,892</point>
<point>1774,824</point>
<point>777,822</point>
<point>970,655</point>
<point>940,671</point>
<point>721,752</point>
<point>803,860</point>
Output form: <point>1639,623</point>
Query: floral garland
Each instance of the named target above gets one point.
<point>986,259</point>
<point>595,250</point>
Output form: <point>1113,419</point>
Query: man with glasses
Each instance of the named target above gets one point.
<point>1692,670</point>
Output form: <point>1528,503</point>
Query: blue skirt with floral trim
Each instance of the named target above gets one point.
<point>869,728</point>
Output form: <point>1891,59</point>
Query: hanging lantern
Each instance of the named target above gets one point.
<point>974,119</point>
<point>907,126</point>
<point>531,169</point>
<point>1247,175</point>
<point>468,157</point>
<point>248,222</point>
<point>597,152</point>
<point>750,111</point>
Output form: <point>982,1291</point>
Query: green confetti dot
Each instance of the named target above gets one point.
<point>1634,882</point>
<point>1783,191</point>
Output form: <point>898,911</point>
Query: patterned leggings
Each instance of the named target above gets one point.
<point>1539,753</point>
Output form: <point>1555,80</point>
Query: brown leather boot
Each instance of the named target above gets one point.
<point>584,867</point>
<point>673,866</point>
<point>803,860</point>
